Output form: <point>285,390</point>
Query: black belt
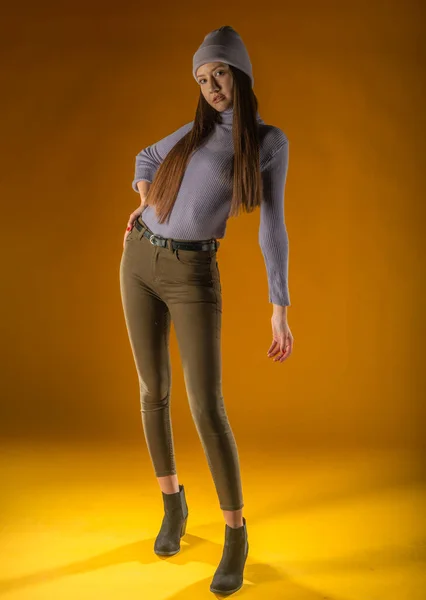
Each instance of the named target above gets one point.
<point>158,240</point>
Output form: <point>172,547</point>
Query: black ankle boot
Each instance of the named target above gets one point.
<point>174,523</point>
<point>228,577</point>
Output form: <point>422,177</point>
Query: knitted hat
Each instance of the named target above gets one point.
<point>224,45</point>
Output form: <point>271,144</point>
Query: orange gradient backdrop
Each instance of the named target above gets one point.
<point>86,87</point>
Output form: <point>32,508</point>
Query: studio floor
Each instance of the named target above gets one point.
<point>80,522</point>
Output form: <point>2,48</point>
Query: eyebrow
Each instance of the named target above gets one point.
<point>214,69</point>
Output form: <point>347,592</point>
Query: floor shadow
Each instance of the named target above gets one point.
<point>261,580</point>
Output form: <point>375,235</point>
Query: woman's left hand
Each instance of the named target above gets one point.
<point>282,339</point>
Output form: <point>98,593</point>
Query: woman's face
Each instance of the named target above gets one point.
<point>216,79</point>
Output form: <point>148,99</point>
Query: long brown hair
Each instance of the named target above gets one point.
<point>247,181</point>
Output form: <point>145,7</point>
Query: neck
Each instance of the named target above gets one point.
<point>228,116</point>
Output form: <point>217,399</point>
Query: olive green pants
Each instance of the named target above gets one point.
<point>158,284</point>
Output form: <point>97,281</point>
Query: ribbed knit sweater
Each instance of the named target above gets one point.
<point>203,202</point>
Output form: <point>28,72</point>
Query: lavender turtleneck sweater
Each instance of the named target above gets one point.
<point>204,198</point>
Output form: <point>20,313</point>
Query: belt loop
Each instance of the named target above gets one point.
<point>169,245</point>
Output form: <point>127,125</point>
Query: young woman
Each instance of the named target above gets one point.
<point>190,182</point>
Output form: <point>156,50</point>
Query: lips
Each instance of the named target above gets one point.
<point>218,98</point>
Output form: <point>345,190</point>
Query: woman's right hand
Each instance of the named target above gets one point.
<point>130,224</point>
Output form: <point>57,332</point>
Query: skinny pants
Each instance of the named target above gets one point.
<point>159,284</point>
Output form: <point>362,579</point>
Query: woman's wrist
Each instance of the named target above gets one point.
<point>278,309</point>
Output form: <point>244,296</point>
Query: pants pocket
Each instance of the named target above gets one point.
<point>194,257</point>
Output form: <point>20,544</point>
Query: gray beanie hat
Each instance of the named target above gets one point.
<point>224,45</point>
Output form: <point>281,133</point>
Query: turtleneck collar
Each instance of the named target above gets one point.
<point>228,116</point>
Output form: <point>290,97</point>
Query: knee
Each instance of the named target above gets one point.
<point>153,399</point>
<point>211,416</point>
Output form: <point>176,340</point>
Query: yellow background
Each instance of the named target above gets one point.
<point>332,440</point>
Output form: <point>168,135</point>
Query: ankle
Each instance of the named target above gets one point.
<point>233,518</point>
<point>169,484</point>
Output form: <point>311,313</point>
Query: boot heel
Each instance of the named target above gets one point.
<point>183,530</point>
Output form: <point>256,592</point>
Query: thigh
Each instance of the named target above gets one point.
<point>147,320</point>
<point>197,317</point>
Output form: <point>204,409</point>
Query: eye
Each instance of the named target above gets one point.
<point>220,71</point>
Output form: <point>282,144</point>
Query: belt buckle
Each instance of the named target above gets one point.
<point>151,237</point>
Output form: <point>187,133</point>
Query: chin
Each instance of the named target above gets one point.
<point>222,105</point>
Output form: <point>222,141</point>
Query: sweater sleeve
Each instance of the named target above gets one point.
<point>273,238</point>
<point>150,158</point>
